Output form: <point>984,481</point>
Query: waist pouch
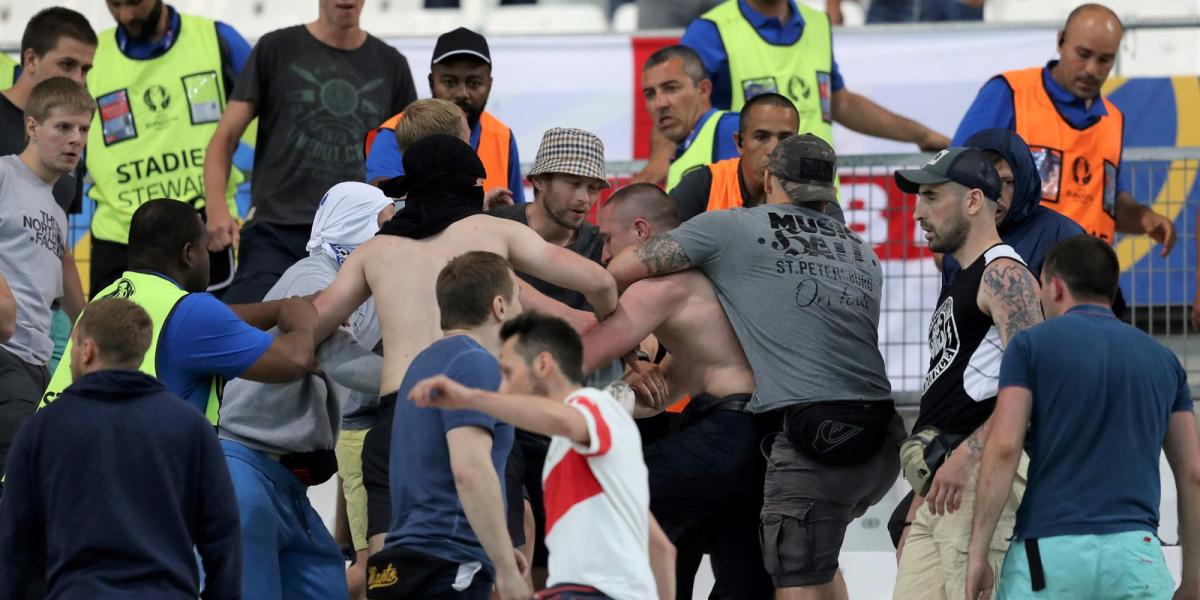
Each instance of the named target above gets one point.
<point>839,433</point>
<point>311,468</point>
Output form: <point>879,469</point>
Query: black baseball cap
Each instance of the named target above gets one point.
<point>965,166</point>
<point>461,41</point>
<point>805,166</point>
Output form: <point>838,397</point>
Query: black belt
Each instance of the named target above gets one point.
<point>706,403</point>
<point>1037,575</point>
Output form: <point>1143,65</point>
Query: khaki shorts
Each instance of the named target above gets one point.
<point>349,458</point>
<point>807,506</point>
<point>933,565</point>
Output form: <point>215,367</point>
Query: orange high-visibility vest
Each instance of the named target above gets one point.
<point>495,140</point>
<point>725,191</point>
<point>1078,167</point>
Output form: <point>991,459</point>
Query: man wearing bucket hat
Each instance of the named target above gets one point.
<point>567,177</point>
<point>992,298</point>
<point>802,293</point>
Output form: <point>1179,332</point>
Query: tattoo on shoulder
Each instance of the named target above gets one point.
<point>1015,305</point>
<point>661,254</point>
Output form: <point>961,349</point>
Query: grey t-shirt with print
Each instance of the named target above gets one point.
<point>802,292</point>
<point>33,236</point>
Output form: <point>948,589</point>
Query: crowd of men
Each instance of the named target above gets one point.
<point>491,379</point>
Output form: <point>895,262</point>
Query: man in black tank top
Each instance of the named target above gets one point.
<point>993,298</point>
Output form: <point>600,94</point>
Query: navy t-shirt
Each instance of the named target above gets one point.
<point>427,515</point>
<point>1100,414</point>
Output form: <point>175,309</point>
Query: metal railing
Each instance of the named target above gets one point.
<point>1158,291</point>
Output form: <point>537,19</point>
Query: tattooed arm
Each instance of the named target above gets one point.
<point>1009,294</point>
<point>659,255</point>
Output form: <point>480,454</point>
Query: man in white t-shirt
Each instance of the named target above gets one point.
<point>603,541</point>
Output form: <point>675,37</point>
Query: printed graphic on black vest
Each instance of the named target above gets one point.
<point>944,342</point>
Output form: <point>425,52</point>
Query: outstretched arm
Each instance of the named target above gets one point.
<point>642,308</point>
<point>860,114</point>
<point>531,413</point>
<point>347,292</point>
<point>529,253</point>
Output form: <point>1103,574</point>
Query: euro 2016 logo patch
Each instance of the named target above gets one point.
<point>157,98</point>
<point>124,289</point>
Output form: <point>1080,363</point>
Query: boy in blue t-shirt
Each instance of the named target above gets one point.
<point>449,536</point>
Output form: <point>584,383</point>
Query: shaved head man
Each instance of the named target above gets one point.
<point>706,480</point>
<point>1075,134</point>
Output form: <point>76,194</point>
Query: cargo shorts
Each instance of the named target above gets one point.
<point>808,505</point>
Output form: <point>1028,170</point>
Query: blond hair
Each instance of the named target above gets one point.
<point>61,93</point>
<point>427,117</point>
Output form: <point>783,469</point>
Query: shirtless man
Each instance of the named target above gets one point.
<point>708,479</point>
<point>442,219</point>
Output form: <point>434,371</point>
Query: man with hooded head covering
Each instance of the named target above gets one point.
<point>442,218</point>
<point>279,438</point>
<point>1023,223</point>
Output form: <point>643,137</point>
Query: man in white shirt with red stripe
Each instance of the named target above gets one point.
<point>603,541</point>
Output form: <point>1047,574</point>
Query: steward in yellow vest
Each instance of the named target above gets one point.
<point>198,342</point>
<point>159,104</point>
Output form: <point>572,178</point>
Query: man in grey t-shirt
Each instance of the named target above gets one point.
<point>802,292</point>
<point>35,256</point>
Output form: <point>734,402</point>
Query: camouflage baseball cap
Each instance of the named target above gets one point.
<point>805,165</point>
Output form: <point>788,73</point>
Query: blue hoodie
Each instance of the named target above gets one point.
<point>1030,228</point>
<point>117,480</point>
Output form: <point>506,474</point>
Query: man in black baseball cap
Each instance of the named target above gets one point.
<point>949,186</point>
<point>992,298</point>
<point>461,72</point>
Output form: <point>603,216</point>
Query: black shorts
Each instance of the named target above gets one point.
<point>376,454</point>
<point>402,573</point>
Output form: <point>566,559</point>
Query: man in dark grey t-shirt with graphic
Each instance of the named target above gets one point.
<point>316,90</point>
<point>802,292</point>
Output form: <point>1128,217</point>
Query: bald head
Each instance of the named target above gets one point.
<point>634,214</point>
<point>1087,48</point>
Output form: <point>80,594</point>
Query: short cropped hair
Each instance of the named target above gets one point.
<point>536,333</point>
<point>427,117</point>
<point>468,284</point>
<point>159,229</point>
<point>1087,265</point>
<point>767,99</point>
<point>120,329</point>
<point>1091,6</point>
<point>649,202</point>
<point>693,67</point>
<point>43,31</point>
<point>61,93</point>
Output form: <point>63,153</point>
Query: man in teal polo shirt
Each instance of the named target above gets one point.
<point>1093,419</point>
